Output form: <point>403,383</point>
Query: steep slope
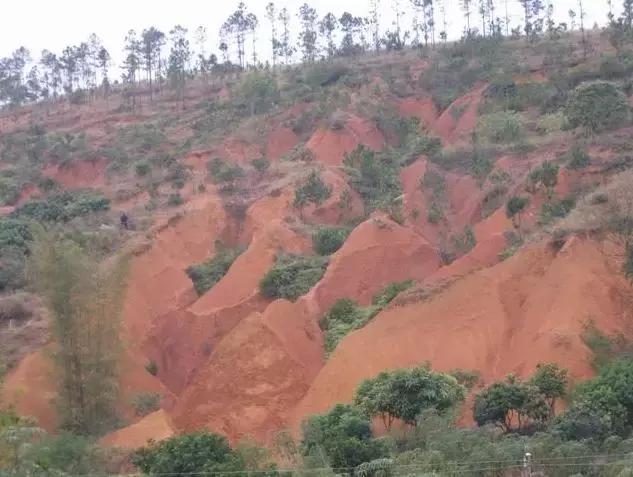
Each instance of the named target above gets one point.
<point>505,319</point>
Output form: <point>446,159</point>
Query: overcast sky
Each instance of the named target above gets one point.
<point>54,24</point>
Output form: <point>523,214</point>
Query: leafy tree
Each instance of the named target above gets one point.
<point>85,302</point>
<point>612,393</point>
<point>514,208</point>
<point>551,381</point>
<point>343,435</point>
<point>197,452</point>
<point>597,106</point>
<point>405,393</point>
<point>308,33</point>
<point>506,402</point>
<point>583,420</point>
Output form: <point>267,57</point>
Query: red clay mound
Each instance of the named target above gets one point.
<point>237,150</point>
<point>335,210</point>
<point>182,341</point>
<point>31,387</point>
<point>505,319</point>
<point>330,147</point>
<point>255,376</point>
<point>460,118</point>
<point>378,252</point>
<point>422,108</point>
<point>78,174</point>
<point>158,282</point>
<point>280,142</point>
<point>155,426</point>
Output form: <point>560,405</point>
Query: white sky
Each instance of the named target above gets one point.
<point>54,24</point>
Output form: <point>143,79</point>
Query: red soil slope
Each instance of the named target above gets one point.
<point>451,128</point>
<point>505,319</point>
<point>422,108</point>
<point>280,142</point>
<point>156,426</point>
<point>255,376</point>
<point>78,174</point>
<point>332,211</point>
<point>378,252</point>
<point>330,146</point>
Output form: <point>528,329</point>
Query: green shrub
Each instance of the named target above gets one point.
<point>14,233</point>
<point>597,106</point>
<point>435,213</point>
<point>221,172</point>
<point>200,452</point>
<point>435,183</point>
<point>388,294</point>
<point>205,275</point>
<point>346,315</point>
<point>152,368</point>
<point>577,158</point>
<point>550,123</point>
<point>375,178</point>
<point>312,191</point>
<point>464,242</point>
<point>300,153</point>
<point>257,92</point>
<point>174,200</point>
<point>502,127</point>
<point>292,276</point>
<point>261,165</point>
<point>628,263</point>
<point>10,190</point>
<point>467,378</point>
<point>546,175</point>
<point>12,269</point>
<point>342,436</point>
<point>146,403</point>
<point>556,209</point>
<point>326,241</point>
<point>62,207</point>
<point>142,169</point>
<point>611,68</point>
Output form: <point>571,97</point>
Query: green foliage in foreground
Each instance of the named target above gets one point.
<point>292,276</point>
<point>405,393</point>
<point>205,275</point>
<point>346,315</point>
<point>196,452</point>
<point>343,435</point>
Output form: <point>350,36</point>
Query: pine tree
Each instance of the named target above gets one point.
<point>327,27</point>
<point>374,22</point>
<point>179,57</point>
<point>152,42</point>
<point>308,32</point>
<point>466,7</point>
<point>286,48</point>
<point>271,15</point>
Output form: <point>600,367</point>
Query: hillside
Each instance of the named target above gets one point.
<point>385,180</point>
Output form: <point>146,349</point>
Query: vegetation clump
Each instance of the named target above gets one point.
<point>62,207</point>
<point>327,240</point>
<point>146,403</point>
<point>207,274</point>
<point>312,191</point>
<point>597,106</point>
<point>292,276</point>
<point>501,128</point>
<point>346,315</point>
